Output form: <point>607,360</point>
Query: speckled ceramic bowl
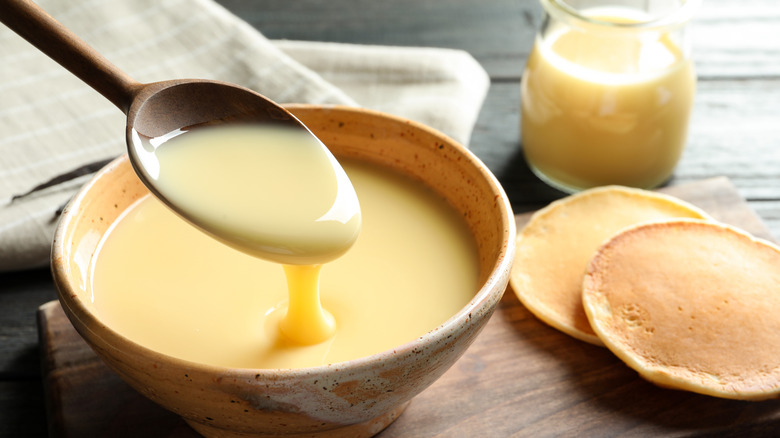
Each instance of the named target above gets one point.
<point>354,398</point>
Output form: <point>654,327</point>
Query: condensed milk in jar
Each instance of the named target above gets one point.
<point>607,92</point>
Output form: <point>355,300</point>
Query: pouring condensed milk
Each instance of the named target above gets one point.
<point>412,266</point>
<point>607,93</point>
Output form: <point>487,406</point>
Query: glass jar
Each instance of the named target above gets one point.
<point>607,92</point>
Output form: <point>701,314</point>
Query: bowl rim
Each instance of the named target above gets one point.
<point>489,291</point>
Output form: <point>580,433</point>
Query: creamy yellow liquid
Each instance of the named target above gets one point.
<point>600,110</point>
<point>305,322</point>
<point>276,193</point>
<point>171,288</point>
<point>273,192</point>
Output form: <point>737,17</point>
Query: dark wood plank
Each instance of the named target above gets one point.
<point>22,408</point>
<point>519,377</point>
<point>731,38</point>
<point>737,39</point>
<point>497,33</point>
<point>20,295</point>
<point>22,413</point>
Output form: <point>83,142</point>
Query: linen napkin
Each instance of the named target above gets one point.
<point>55,131</point>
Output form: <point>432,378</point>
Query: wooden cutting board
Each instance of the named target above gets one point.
<point>519,378</point>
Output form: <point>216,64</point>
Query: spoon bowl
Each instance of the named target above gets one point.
<point>160,108</point>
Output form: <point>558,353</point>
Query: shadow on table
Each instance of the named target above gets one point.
<point>525,190</point>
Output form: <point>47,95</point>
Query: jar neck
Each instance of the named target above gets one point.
<point>635,16</point>
<point>620,23</point>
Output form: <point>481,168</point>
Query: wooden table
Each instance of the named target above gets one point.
<point>735,132</point>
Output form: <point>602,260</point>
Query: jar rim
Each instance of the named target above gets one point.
<point>678,17</point>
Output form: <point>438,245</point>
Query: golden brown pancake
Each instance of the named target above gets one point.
<point>553,250</point>
<point>691,305</point>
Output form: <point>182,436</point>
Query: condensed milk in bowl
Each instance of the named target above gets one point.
<point>199,327</point>
<point>607,92</point>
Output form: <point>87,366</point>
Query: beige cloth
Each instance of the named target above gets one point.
<point>52,123</point>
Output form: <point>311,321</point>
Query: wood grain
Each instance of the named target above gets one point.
<point>731,38</point>
<point>520,378</point>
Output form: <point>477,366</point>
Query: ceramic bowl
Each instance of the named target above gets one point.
<point>355,398</point>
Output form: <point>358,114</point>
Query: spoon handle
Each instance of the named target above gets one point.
<point>60,44</point>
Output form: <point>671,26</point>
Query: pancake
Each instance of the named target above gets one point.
<point>690,305</point>
<point>553,250</point>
